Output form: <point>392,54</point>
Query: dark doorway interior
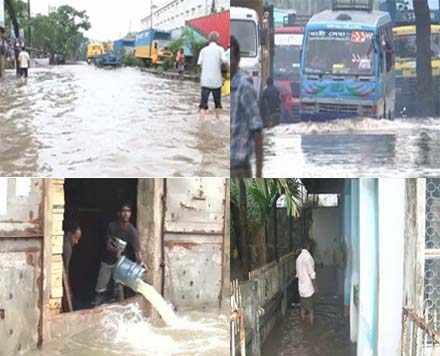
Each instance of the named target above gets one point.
<point>93,203</point>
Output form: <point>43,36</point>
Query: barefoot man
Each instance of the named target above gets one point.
<point>211,59</point>
<point>308,288</point>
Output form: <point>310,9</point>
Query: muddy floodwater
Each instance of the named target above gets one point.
<point>354,148</point>
<point>123,331</point>
<point>329,337</point>
<point>78,120</point>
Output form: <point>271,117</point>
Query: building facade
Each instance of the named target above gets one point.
<point>172,15</point>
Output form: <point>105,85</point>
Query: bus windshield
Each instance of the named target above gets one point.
<point>287,54</point>
<point>340,52</point>
<point>406,46</point>
<point>246,33</point>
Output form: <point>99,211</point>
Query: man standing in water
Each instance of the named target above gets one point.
<point>211,59</point>
<point>246,123</point>
<point>24,60</point>
<point>308,288</point>
<point>120,233</point>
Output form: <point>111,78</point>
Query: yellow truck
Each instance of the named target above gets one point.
<point>406,82</point>
<point>93,50</point>
<point>151,47</point>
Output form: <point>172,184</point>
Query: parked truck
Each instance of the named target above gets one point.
<point>252,23</point>
<point>151,46</point>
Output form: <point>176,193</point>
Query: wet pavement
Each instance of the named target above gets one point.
<point>354,148</point>
<point>329,337</point>
<point>125,332</point>
<point>78,120</point>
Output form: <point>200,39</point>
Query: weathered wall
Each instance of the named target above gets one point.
<point>193,241</point>
<point>328,252</point>
<point>21,207</point>
<point>391,246</point>
<point>21,237</point>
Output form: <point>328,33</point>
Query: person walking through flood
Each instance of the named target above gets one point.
<point>24,61</point>
<point>246,123</point>
<point>308,287</point>
<point>212,58</point>
<point>120,233</point>
<point>180,63</point>
<point>270,105</point>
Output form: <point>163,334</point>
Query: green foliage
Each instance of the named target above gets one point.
<point>168,63</point>
<point>261,197</point>
<point>129,60</point>
<point>61,31</point>
<point>175,45</point>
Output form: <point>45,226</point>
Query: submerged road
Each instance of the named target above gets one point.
<point>78,120</point>
<point>354,148</point>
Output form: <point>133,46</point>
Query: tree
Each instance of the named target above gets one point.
<point>61,31</point>
<point>253,204</point>
<point>425,84</point>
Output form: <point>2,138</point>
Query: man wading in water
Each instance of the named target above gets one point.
<point>211,58</point>
<point>24,60</point>
<point>119,234</point>
<point>308,288</point>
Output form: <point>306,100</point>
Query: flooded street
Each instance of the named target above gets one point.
<point>123,331</point>
<point>354,148</point>
<point>329,337</point>
<point>82,121</point>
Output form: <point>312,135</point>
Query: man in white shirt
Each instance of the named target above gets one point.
<point>24,60</point>
<point>305,272</point>
<point>211,59</point>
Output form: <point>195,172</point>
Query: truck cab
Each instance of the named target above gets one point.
<point>245,27</point>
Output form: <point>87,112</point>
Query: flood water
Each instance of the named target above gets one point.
<point>329,337</point>
<point>78,120</point>
<point>354,148</point>
<point>123,331</point>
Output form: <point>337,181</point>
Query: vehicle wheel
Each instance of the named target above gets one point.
<point>147,63</point>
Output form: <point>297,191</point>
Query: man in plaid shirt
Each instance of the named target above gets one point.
<point>246,123</point>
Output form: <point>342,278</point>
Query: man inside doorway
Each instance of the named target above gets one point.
<point>120,233</point>
<point>308,287</point>
<point>71,239</point>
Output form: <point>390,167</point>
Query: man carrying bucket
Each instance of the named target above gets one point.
<point>120,233</point>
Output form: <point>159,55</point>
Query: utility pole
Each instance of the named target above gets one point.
<point>29,23</point>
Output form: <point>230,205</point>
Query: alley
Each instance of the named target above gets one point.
<point>353,147</point>
<point>74,119</point>
<point>329,337</point>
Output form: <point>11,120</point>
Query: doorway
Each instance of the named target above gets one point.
<point>93,204</point>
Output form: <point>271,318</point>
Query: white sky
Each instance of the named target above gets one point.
<point>110,19</point>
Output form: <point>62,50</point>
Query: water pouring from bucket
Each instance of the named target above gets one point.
<point>130,274</point>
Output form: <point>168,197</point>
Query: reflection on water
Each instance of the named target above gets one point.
<point>354,148</point>
<point>329,337</point>
<point>125,332</point>
<point>79,120</point>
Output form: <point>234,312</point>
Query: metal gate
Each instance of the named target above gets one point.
<point>21,280</point>
<point>431,300</point>
<point>193,231</point>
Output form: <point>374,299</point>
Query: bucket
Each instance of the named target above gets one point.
<point>127,272</point>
